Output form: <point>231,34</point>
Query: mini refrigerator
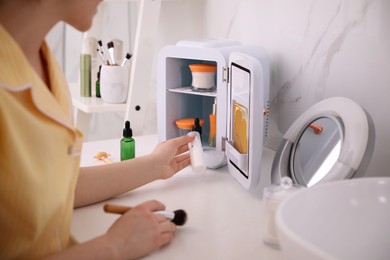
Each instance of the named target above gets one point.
<point>239,101</point>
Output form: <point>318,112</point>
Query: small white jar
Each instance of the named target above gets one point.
<point>203,76</point>
<point>272,197</point>
<point>114,83</point>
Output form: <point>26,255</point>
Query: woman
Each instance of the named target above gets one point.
<point>40,178</point>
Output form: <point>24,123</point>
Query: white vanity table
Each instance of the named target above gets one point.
<point>224,220</point>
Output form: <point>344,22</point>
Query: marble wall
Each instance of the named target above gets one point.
<point>317,49</point>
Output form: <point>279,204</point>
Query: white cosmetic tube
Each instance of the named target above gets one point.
<point>196,153</point>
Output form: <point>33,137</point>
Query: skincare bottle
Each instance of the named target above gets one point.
<point>94,63</point>
<point>85,75</point>
<point>127,143</point>
<point>213,118</point>
<point>196,153</point>
<point>98,83</point>
<point>197,127</point>
<point>88,66</point>
<point>273,196</point>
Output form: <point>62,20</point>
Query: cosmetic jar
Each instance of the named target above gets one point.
<point>185,125</point>
<point>203,76</point>
<point>272,197</point>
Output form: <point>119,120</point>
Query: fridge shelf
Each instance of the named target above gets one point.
<point>189,90</point>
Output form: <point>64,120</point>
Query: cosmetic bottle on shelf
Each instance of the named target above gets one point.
<point>88,67</point>
<point>98,82</point>
<point>85,75</point>
<point>127,143</point>
<point>213,127</point>
<point>197,127</point>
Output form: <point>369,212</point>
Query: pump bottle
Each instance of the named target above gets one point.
<point>127,143</point>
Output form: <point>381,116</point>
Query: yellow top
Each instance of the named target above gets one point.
<point>40,156</point>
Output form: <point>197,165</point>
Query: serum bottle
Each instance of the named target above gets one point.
<point>85,75</point>
<point>127,143</point>
<point>98,83</point>
<point>213,125</point>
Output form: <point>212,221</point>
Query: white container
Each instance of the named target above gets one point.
<point>114,83</point>
<point>273,196</point>
<point>203,76</point>
<point>196,153</point>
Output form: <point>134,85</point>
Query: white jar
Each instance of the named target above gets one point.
<point>272,197</point>
<point>114,83</point>
<point>203,76</point>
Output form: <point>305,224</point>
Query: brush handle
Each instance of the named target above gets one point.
<point>117,209</point>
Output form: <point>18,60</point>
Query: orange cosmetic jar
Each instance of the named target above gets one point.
<point>203,76</point>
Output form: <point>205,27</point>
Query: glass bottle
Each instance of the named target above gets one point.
<point>98,83</point>
<point>213,125</point>
<point>127,143</point>
<point>197,127</point>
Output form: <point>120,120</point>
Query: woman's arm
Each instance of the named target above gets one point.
<point>97,183</point>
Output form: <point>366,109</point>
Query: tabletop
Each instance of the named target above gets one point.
<point>225,221</point>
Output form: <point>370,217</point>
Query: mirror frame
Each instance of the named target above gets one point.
<point>356,146</point>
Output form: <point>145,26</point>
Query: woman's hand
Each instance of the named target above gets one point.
<point>139,231</point>
<point>172,155</point>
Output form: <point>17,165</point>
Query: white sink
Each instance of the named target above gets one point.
<point>347,219</point>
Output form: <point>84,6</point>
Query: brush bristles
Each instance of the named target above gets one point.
<point>110,45</point>
<point>180,217</point>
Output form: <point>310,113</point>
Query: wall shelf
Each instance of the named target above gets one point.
<point>92,104</point>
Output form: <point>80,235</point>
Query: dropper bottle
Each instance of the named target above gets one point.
<point>127,143</point>
<point>197,127</point>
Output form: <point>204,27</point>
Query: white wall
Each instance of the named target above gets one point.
<point>317,49</point>
<point>179,19</point>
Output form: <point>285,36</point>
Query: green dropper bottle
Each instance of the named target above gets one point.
<point>127,143</point>
<point>98,83</point>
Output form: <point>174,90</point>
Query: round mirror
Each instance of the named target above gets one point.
<point>316,151</point>
<point>332,140</point>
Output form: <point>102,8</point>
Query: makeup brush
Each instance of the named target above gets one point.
<point>178,217</point>
<point>101,56</point>
<point>110,46</point>
<point>103,53</point>
<point>128,57</point>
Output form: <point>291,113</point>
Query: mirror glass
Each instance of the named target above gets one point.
<point>316,151</point>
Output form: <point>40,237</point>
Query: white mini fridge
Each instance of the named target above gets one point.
<point>239,100</point>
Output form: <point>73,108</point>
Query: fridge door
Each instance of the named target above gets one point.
<point>247,100</point>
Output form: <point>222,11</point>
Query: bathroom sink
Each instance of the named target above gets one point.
<point>347,219</point>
